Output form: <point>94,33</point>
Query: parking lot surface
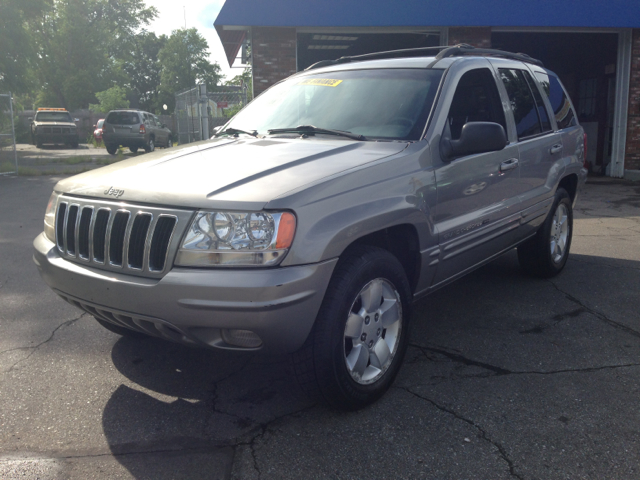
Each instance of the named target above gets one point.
<point>506,377</point>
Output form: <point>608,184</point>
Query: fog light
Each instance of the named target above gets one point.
<point>241,338</point>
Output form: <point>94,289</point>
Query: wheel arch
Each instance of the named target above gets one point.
<point>570,184</point>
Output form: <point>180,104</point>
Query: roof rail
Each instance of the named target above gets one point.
<point>407,52</point>
<point>445,51</point>
<point>464,49</point>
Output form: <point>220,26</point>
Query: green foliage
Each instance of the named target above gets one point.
<point>245,78</point>
<point>59,53</point>
<point>111,99</point>
<point>185,62</point>
<point>143,69</point>
<point>17,52</point>
<point>78,43</point>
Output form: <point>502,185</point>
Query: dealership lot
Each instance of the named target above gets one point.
<point>506,377</point>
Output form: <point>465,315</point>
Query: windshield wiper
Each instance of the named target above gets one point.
<point>310,129</point>
<point>236,132</point>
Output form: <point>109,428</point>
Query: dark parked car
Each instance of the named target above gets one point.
<point>134,129</point>
<point>324,209</point>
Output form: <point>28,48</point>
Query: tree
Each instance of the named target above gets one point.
<point>79,44</point>
<point>143,69</point>
<point>17,53</point>
<point>111,99</point>
<point>245,78</point>
<point>185,62</point>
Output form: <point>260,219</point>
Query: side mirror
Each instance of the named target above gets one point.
<point>76,119</point>
<point>30,119</point>
<point>475,137</point>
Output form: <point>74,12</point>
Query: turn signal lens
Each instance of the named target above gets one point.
<point>286,230</point>
<point>50,217</point>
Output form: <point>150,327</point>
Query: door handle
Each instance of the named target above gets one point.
<point>509,164</point>
<point>557,148</point>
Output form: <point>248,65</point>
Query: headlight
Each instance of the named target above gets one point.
<point>245,239</point>
<point>50,217</point>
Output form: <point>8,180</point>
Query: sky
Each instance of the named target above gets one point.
<point>199,14</point>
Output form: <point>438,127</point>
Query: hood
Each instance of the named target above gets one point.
<point>226,172</point>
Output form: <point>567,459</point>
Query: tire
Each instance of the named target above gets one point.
<point>546,254</point>
<point>111,149</point>
<point>169,142</point>
<point>123,332</point>
<point>359,339</point>
<point>38,143</point>
<point>74,145</point>
<point>151,146</point>
<point>133,149</point>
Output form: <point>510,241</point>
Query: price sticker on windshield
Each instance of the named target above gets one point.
<point>322,82</point>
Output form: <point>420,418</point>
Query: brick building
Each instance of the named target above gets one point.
<point>593,45</point>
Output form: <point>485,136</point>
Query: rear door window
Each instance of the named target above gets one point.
<point>523,105</point>
<point>560,104</point>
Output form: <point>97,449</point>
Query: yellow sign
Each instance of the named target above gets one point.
<point>322,82</point>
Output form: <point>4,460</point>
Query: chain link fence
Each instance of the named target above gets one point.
<point>8,153</point>
<point>198,112</point>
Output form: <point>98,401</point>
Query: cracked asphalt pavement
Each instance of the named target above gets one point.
<point>506,377</point>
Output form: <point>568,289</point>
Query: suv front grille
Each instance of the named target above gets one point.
<point>114,236</point>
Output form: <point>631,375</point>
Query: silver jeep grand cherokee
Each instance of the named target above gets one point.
<point>324,209</point>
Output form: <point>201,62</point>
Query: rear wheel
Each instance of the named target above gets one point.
<point>546,254</point>
<point>112,149</point>
<point>124,332</point>
<point>38,143</point>
<point>358,342</point>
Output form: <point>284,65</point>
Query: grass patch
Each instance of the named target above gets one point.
<point>7,167</point>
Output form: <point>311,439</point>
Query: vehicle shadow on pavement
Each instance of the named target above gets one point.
<point>478,349</point>
<point>183,405</point>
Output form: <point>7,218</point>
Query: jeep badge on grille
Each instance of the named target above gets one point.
<point>114,191</point>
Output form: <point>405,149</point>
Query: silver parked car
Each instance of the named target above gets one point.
<point>324,209</point>
<point>134,129</point>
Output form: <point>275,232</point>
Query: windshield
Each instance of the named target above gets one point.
<point>381,104</point>
<point>53,117</point>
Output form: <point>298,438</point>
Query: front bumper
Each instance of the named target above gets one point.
<point>56,138</point>
<point>194,306</point>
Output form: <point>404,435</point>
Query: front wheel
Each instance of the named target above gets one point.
<point>358,342</point>
<point>133,149</point>
<point>151,146</point>
<point>546,254</point>
<point>111,149</point>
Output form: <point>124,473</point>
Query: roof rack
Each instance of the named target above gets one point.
<point>464,49</point>
<point>445,52</point>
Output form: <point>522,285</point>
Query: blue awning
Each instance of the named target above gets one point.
<point>431,13</point>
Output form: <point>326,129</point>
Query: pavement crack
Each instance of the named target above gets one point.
<point>462,359</point>
<point>499,371</point>
<point>44,342</point>
<point>483,433</point>
<point>261,430</point>
<point>597,314</point>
